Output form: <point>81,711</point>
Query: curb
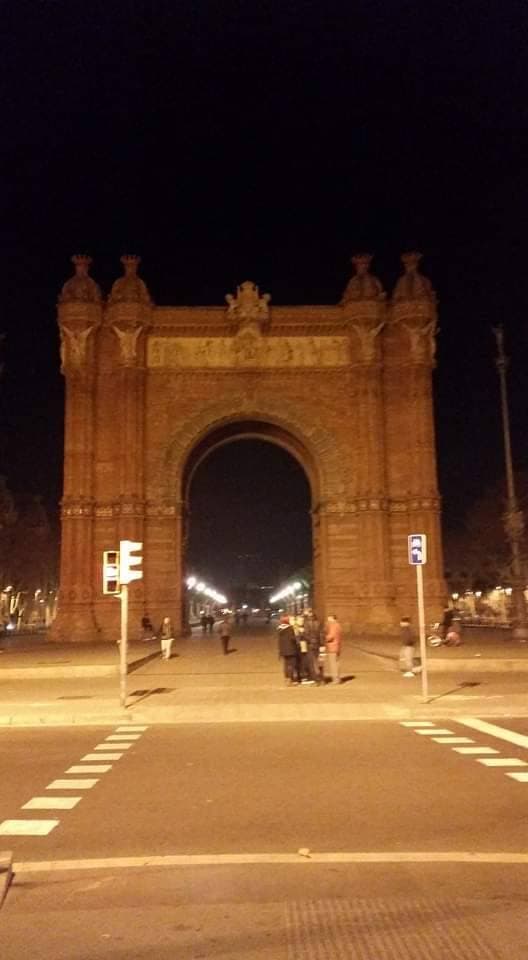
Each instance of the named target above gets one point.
<point>272,713</point>
<point>58,672</point>
<point>6,873</point>
<point>477,662</point>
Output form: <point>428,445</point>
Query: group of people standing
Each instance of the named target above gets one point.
<point>305,645</point>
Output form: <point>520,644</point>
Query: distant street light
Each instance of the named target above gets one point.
<point>513,516</point>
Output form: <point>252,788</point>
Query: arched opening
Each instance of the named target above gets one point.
<point>249,490</point>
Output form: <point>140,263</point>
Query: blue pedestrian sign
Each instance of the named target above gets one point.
<point>417,544</point>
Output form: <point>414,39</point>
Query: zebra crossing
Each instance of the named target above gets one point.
<point>482,753</point>
<point>112,748</point>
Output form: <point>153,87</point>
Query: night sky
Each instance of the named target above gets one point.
<point>226,141</point>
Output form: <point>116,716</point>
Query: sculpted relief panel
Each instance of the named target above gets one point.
<point>248,349</point>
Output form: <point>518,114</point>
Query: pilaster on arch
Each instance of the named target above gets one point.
<point>314,445</point>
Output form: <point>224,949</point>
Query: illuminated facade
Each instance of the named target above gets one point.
<point>346,389</point>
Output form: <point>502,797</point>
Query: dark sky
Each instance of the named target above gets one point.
<point>232,140</point>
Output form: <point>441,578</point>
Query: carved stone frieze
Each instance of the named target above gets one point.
<point>422,341</point>
<point>74,346</point>
<point>247,349</point>
<point>104,511</point>
<point>367,335</point>
<point>413,503</point>
<point>80,508</point>
<point>355,505</point>
<point>154,509</point>
<point>128,342</point>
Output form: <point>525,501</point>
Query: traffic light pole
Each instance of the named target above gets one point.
<point>123,647</point>
<point>421,624</point>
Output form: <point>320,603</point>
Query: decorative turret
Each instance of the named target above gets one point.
<point>364,306</point>
<point>363,285</point>
<point>79,315</point>
<point>413,285</point>
<point>130,288</point>
<point>80,287</point>
<point>414,309</point>
<point>128,311</point>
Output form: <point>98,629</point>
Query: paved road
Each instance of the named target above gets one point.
<point>410,848</point>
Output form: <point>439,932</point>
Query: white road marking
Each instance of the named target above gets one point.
<point>521,777</point>
<point>503,762</point>
<point>519,739</point>
<point>27,828</point>
<point>453,740</point>
<point>112,746</point>
<point>434,732</point>
<point>474,750</point>
<point>416,723</point>
<point>131,728</point>
<point>71,784</point>
<point>101,756</point>
<point>123,736</point>
<point>90,768</point>
<point>226,859</point>
<point>51,803</point>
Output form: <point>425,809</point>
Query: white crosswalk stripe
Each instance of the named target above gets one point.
<point>51,803</point>
<point>503,762</point>
<point>72,784</point>
<point>27,828</point>
<point>90,768</point>
<point>101,756</point>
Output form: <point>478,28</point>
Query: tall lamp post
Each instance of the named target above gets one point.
<point>513,516</point>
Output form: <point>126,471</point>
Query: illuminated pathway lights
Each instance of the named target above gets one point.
<point>193,583</point>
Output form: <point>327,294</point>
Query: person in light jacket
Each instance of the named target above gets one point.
<point>334,642</point>
<point>166,638</point>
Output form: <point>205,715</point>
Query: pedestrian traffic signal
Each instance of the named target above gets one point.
<point>417,548</point>
<point>129,560</point>
<point>111,583</point>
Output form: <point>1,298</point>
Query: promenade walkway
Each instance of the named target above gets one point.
<point>43,683</point>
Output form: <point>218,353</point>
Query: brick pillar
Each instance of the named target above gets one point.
<point>416,504</point>
<point>128,316</point>
<point>163,568</point>
<point>365,309</point>
<point>79,316</point>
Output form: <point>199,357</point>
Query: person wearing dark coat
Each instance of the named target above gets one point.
<point>312,633</point>
<point>447,620</point>
<point>287,646</point>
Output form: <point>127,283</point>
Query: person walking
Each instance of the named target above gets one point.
<point>334,642</point>
<point>166,638</point>
<point>408,640</point>
<point>224,630</point>
<point>287,647</point>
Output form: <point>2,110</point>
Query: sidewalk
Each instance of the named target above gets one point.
<point>44,684</point>
<point>483,650</point>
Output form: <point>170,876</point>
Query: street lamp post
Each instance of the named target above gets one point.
<point>513,516</point>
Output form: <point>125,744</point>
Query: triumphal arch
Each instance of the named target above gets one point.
<point>345,388</point>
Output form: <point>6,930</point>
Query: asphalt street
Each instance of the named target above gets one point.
<point>269,841</point>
